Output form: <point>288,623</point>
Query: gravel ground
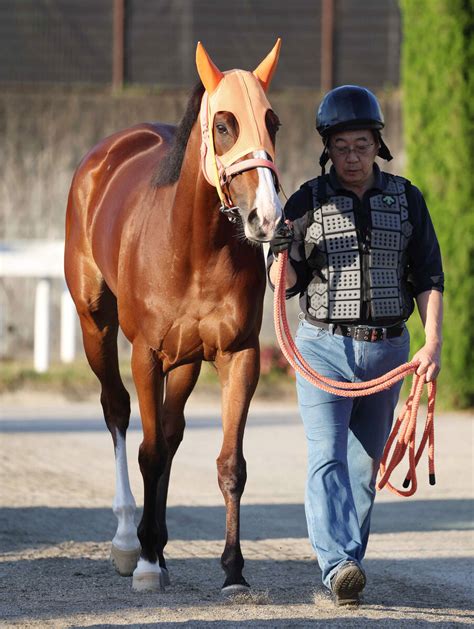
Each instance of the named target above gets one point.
<point>56,523</point>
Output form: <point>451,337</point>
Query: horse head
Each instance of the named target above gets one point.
<point>238,129</point>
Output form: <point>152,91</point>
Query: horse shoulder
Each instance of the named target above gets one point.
<point>117,169</point>
<point>103,160</point>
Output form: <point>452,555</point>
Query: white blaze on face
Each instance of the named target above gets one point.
<point>267,203</point>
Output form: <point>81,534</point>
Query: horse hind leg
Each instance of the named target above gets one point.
<point>149,379</point>
<point>99,323</point>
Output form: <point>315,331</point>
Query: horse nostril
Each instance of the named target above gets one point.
<point>253,217</point>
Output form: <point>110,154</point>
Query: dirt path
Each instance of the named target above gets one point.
<point>56,523</point>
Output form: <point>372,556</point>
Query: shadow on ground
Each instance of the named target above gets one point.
<point>33,526</point>
<point>210,419</point>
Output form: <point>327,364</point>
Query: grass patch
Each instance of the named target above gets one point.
<point>77,382</point>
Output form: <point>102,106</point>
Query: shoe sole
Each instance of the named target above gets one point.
<point>348,584</point>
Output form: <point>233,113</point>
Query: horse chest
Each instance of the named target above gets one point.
<point>197,327</point>
<point>190,307</point>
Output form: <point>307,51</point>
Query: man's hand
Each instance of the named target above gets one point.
<point>282,239</point>
<point>429,357</point>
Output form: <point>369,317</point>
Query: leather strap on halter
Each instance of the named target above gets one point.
<point>248,164</point>
<point>222,174</point>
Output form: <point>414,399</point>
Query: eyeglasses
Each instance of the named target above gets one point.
<point>359,149</point>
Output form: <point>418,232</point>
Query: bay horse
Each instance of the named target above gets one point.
<point>147,249</point>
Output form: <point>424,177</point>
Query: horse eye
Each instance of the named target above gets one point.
<point>273,124</point>
<point>221,128</point>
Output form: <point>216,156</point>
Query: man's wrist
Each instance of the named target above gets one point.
<point>434,341</point>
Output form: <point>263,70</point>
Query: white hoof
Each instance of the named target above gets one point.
<point>233,590</point>
<point>148,577</point>
<point>124,561</point>
<point>147,582</point>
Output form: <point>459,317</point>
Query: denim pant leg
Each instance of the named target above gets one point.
<point>370,424</point>
<point>331,515</point>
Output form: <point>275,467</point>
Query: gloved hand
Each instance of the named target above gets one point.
<point>282,239</point>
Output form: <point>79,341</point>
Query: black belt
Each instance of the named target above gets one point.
<point>360,332</point>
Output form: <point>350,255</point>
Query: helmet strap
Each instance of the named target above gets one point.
<point>324,157</point>
<point>384,151</point>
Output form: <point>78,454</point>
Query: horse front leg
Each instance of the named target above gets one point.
<point>153,453</point>
<point>238,374</point>
<point>179,384</point>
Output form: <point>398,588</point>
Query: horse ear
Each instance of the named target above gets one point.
<point>265,70</point>
<point>208,72</point>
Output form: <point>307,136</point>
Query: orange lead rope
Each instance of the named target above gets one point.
<point>405,426</point>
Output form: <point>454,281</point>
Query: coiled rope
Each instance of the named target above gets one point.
<point>404,430</point>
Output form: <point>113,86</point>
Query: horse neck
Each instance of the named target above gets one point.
<point>196,204</point>
<point>196,218</point>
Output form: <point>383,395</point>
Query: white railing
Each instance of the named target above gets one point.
<point>43,260</point>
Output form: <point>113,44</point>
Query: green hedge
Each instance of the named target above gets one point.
<point>437,62</point>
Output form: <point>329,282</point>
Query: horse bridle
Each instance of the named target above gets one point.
<point>223,175</point>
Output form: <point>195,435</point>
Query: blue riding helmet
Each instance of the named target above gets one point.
<point>347,108</point>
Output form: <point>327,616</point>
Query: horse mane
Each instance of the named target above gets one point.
<point>170,168</point>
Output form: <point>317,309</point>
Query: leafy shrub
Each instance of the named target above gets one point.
<point>437,81</point>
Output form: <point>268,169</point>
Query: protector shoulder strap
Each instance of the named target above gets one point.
<point>396,181</point>
<point>401,179</point>
<point>407,183</point>
<point>318,190</point>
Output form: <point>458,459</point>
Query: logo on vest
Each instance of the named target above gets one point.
<point>388,200</point>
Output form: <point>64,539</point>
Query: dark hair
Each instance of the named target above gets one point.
<point>169,170</point>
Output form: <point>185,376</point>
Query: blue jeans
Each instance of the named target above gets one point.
<point>345,439</point>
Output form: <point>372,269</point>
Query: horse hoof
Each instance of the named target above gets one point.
<point>147,582</point>
<point>148,577</point>
<point>165,577</point>
<point>233,590</point>
<point>124,561</point>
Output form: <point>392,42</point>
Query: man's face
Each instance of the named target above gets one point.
<point>353,155</point>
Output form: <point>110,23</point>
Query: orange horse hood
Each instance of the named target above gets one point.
<point>241,93</point>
